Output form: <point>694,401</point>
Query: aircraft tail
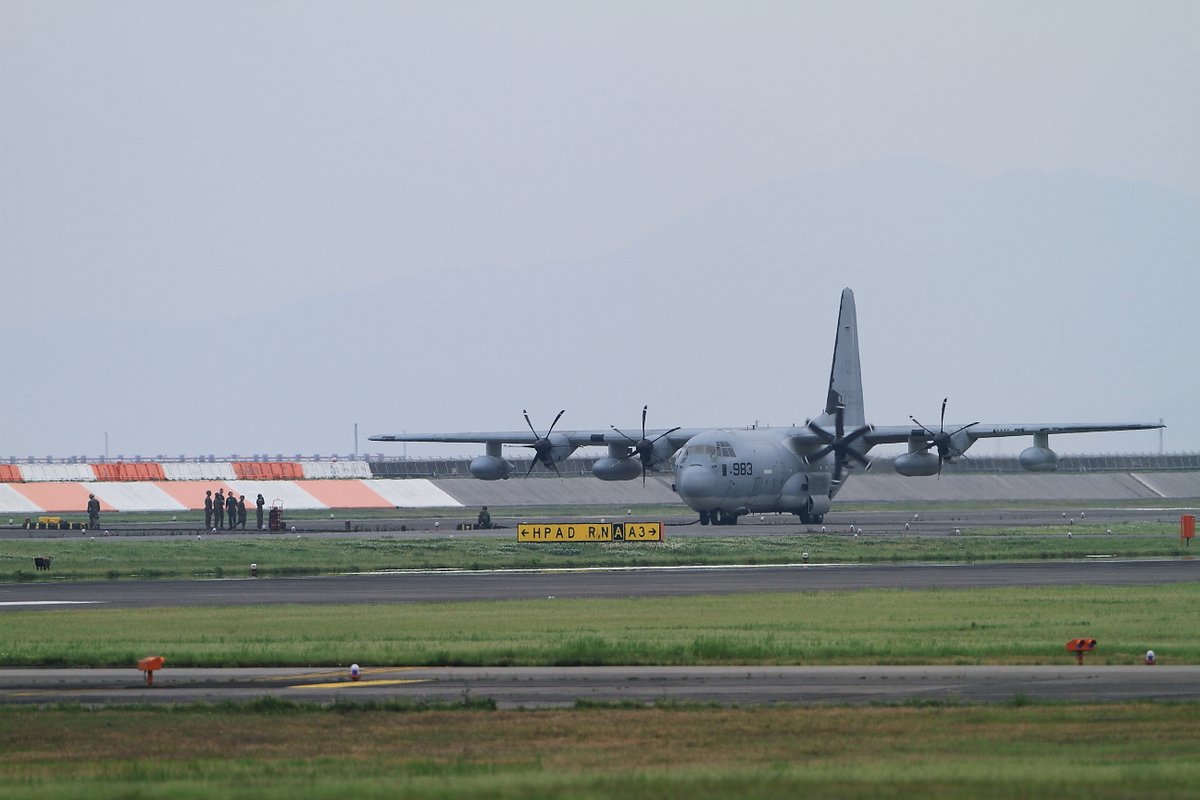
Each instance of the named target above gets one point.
<point>845,376</point>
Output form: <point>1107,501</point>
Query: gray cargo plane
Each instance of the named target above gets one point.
<point>725,473</point>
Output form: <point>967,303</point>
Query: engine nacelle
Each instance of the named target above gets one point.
<point>807,493</point>
<point>1039,459</point>
<point>818,505</point>
<point>912,465</point>
<point>617,469</point>
<point>490,468</point>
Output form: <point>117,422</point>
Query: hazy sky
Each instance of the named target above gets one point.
<point>263,177</point>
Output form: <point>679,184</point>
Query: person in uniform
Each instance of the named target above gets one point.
<point>259,503</point>
<point>93,512</point>
<point>241,509</point>
<point>485,520</point>
<point>219,510</point>
<point>231,510</point>
<point>208,510</point>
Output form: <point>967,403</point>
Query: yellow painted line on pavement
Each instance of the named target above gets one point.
<point>326,673</point>
<point>352,684</point>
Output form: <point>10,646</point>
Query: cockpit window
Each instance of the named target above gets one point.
<point>719,450</point>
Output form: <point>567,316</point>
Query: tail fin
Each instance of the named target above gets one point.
<point>845,376</point>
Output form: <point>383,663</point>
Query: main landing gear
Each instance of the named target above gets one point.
<point>717,517</point>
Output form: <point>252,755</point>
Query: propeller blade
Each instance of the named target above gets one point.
<point>824,451</point>
<point>942,440</point>
<point>623,433</point>
<point>530,424</point>
<point>859,457</point>
<point>819,431</point>
<point>643,448</point>
<point>542,447</point>
<point>921,426</point>
<point>668,433</point>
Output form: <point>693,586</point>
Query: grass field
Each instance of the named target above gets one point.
<point>273,749</point>
<point>132,557</point>
<point>280,751</point>
<point>985,626</point>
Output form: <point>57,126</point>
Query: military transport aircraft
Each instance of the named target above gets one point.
<point>725,473</point>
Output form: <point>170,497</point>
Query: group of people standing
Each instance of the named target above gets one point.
<point>223,510</point>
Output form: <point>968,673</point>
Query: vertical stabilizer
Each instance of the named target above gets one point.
<point>845,377</point>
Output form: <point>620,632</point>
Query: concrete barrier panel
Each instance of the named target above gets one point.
<point>13,502</point>
<point>570,491</point>
<point>336,469</point>
<point>1171,484</point>
<point>290,493</point>
<point>415,493</point>
<point>346,494</point>
<point>64,473</point>
<point>190,494</point>
<point>199,471</point>
<point>68,498</point>
<point>135,496</point>
<point>1006,486</point>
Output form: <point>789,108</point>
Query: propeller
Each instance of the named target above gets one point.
<point>643,448</point>
<point>943,440</point>
<point>839,443</point>
<point>543,447</point>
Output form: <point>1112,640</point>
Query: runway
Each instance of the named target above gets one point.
<point>555,687</point>
<point>551,687</point>
<point>455,585</point>
<point>679,523</point>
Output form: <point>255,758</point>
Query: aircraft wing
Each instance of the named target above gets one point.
<point>596,438</point>
<point>894,434</point>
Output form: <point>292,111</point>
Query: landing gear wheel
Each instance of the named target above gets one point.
<point>704,517</point>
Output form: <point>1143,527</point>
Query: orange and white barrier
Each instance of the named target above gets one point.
<point>188,495</point>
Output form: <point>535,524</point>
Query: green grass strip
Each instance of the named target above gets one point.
<point>1103,751</point>
<point>82,557</point>
<point>982,626</point>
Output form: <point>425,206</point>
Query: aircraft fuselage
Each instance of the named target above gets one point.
<point>724,474</point>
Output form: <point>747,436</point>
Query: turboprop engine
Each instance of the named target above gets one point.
<point>621,465</point>
<point>550,449</point>
<point>920,459</point>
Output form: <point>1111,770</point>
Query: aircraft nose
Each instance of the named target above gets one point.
<point>696,482</point>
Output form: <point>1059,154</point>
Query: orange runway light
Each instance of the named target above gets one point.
<point>149,665</point>
<point>1081,646</point>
